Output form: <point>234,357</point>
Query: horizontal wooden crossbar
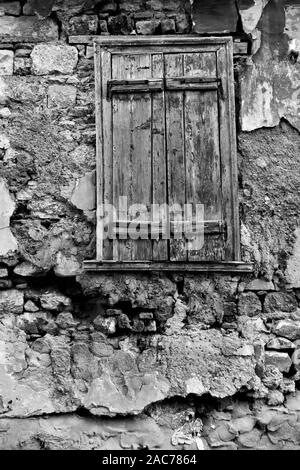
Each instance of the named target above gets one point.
<point>159,229</point>
<point>153,85</point>
<point>240,47</point>
<point>171,266</point>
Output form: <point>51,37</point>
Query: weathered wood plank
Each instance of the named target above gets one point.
<point>203,155</point>
<point>173,67</point>
<point>121,150</point>
<point>158,228</point>
<point>132,148</point>
<point>99,151</point>
<point>228,152</point>
<point>141,170</point>
<point>240,47</point>
<point>105,116</point>
<point>225,267</point>
<point>159,168</point>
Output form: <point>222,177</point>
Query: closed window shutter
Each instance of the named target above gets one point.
<point>165,136</point>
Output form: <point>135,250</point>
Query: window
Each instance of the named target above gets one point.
<point>166,140</point>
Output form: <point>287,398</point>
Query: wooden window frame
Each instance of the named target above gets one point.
<point>121,42</point>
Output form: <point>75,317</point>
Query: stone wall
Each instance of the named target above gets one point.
<point>131,361</point>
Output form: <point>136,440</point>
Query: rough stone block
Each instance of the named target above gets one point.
<point>8,243</point>
<point>52,58</point>
<point>109,6</point>
<point>30,307</point>
<point>288,329</point>
<point>54,301</point>
<point>249,304</point>
<point>120,24</point>
<point>66,266</point>
<point>280,301</point>
<point>11,301</point>
<point>272,377</point>
<point>130,5</point>
<point>182,23</point>
<point>296,359</point>
<point>27,29</point>
<point>84,24</point>
<point>168,26</point>
<point>61,96</point>
<point>22,65</point>
<point>280,360</point>
<point>123,322</point>
<point>42,8</point>
<point>10,8</point>
<point>84,194</point>
<point>280,343</point>
<point>105,325</point>
<point>3,273</point>
<point>147,27</point>
<point>6,62</point>
<point>161,5</point>
<point>28,269</point>
<point>103,26</point>
<point>260,285</point>
<point>5,113</point>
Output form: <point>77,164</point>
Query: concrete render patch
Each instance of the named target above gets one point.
<point>270,92</point>
<point>187,360</point>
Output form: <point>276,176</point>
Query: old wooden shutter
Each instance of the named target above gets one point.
<point>166,134</point>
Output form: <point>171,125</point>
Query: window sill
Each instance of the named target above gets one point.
<point>174,266</point>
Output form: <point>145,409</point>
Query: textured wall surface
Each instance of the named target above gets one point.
<point>130,361</point>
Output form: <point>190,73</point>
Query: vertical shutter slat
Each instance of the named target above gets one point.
<point>228,152</point>
<point>109,246</point>
<point>132,148</point>
<point>203,155</point>
<point>159,173</point>
<point>175,148</point>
